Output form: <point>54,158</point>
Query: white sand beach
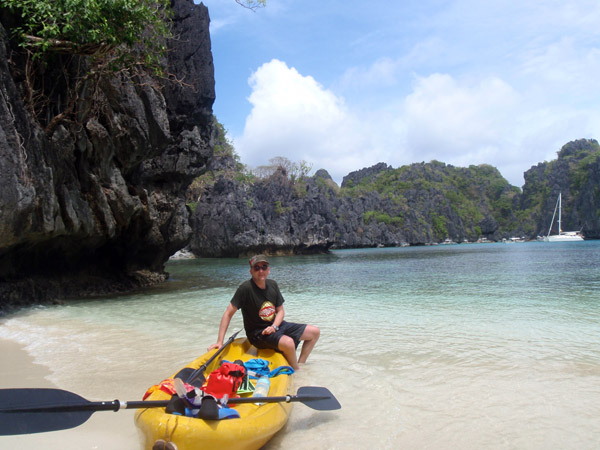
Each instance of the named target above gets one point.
<point>104,430</point>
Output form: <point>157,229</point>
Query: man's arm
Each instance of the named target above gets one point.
<point>225,320</point>
<point>279,315</point>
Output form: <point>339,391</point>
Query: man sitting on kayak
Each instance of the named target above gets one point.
<point>261,303</point>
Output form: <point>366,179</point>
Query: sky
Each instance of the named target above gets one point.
<point>344,85</point>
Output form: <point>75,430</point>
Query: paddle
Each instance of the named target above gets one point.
<point>314,397</point>
<point>196,378</point>
<point>24,411</point>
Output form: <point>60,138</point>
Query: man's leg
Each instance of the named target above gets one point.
<point>287,346</point>
<point>309,337</point>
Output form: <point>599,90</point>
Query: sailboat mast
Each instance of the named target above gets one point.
<point>553,216</point>
<point>559,212</point>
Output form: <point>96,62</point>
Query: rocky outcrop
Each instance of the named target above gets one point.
<point>354,178</point>
<point>576,175</point>
<point>417,204</point>
<point>101,206</point>
<point>234,218</point>
<point>276,215</point>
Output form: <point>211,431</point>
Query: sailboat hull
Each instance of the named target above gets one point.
<point>568,236</point>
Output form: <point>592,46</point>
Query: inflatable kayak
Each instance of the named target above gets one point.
<point>255,425</point>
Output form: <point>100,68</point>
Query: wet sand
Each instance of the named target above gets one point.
<point>103,430</point>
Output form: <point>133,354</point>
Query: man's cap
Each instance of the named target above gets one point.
<point>257,259</point>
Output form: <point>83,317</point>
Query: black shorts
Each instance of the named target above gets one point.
<point>293,330</point>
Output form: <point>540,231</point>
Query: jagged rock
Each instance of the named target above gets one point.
<point>233,219</point>
<point>380,206</point>
<point>101,207</point>
<point>575,174</point>
<point>354,178</point>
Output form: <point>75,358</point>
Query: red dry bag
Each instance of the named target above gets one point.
<point>225,380</point>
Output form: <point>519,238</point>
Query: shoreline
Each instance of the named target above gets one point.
<point>102,430</point>
<point>19,370</point>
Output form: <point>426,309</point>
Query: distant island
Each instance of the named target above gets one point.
<point>283,211</point>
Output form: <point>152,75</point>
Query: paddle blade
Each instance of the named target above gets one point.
<point>24,411</point>
<point>318,398</point>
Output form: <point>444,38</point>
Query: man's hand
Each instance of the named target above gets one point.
<point>216,345</point>
<point>269,330</point>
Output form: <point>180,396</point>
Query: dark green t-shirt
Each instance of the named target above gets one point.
<point>257,305</point>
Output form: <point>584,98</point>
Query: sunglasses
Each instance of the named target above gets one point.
<point>263,267</point>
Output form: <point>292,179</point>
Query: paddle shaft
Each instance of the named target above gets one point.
<point>199,372</point>
<point>24,411</point>
<point>279,399</point>
<point>116,405</point>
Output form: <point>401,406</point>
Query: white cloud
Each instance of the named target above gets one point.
<point>564,69</point>
<point>383,71</point>
<point>477,121</point>
<point>296,117</point>
<point>457,123</point>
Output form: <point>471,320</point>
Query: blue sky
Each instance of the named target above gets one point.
<point>344,85</point>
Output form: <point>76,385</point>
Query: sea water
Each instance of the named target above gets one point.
<point>470,346</point>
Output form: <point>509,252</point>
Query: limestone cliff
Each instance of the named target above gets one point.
<point>417,204</point>
<point>278,215</point>
<point>100,206</point>
<point>576,175</point>
<point>233,218</point>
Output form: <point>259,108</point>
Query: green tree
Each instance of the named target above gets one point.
<point>294,171</point>
<point>439,226</point>
<point>94,28</point>
<point>69,46</point>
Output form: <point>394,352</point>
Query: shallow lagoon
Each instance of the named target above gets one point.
<point>461,346</point>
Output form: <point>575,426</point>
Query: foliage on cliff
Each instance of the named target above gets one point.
<point>93,27</point>
<point>270,209</point>
<point>576,174</point>
<point>64,49</point>
<point>226,164</point>
<point>469,194</point>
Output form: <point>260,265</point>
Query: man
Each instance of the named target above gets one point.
<point>261,303</point>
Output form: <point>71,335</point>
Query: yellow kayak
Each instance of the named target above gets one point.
<point>255,426</point>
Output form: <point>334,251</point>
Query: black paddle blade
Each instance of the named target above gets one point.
<point>24,411</point>
<point>318,398</point>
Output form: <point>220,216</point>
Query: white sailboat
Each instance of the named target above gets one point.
<point>562,236</point>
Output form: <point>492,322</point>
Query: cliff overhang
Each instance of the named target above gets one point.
<point>99,206</point>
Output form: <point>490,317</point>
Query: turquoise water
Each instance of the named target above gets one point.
<point>454,346</point>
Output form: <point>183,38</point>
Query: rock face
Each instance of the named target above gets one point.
<point>575,174</point>
<point>275,215</point>
<point>101,207</point>
<point>234,219</point>
<point>419,204</point>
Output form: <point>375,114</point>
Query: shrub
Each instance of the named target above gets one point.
<point>94,27</point>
